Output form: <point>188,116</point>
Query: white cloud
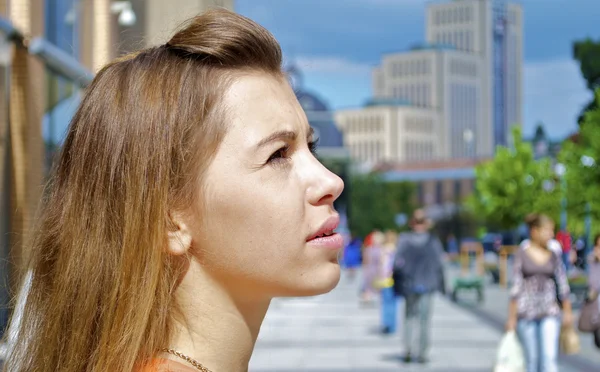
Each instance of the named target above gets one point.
<point>333,65</point>
<point>554,93</point>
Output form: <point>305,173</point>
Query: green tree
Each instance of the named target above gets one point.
<point>587,53</point>
<point>401,196</point>
<point>582,176</point>
<point>513,185</point>
<point>375,203</point>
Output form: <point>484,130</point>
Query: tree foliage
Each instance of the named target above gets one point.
<point>582,178</point>
<point>513,185</point>
<point>375,203</point>
<point>587,53</point>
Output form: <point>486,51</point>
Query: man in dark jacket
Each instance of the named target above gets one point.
<point>420,260</point>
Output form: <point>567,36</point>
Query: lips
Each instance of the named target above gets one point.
<point>327,228</point>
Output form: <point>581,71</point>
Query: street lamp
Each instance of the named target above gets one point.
<point>588,162</point>
<point>560,171</point>
<point>125,11</point>
<point>468,138</point>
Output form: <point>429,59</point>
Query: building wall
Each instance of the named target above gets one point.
<point>463,86</point>
<point>470,25</point>
<point>454,23</point>
<point>418,135</point>
<point>410,76</point>
<point>366,133</point>
<point>163,17</point>
<point>390,133</point>
<point>514,65</point>
<point>98,42</point>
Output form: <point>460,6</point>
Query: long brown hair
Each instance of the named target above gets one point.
<point>102,282</point>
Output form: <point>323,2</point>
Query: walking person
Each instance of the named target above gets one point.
<point>352,256</point>
<point>385,283</point>
<point>420,265</point>
<point>370,264</point>
<point>539,283</point>
<point>593,262</point>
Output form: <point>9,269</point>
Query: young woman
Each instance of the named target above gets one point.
<point>534,309</point>
<point>185,198</point>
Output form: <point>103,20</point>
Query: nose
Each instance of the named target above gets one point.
<point>324,186</point>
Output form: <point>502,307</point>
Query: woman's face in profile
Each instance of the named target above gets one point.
<point>265,196</point>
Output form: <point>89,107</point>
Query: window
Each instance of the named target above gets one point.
<point>457,189</point>
<point>469,41</point>
<point>439,195</point>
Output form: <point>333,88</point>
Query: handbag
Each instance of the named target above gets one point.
<point>569,341</point>
<point>589,319</point>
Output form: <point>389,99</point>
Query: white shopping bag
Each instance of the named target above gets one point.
<point>510,356</point>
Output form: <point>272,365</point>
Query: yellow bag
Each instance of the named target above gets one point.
<point>569,341</point>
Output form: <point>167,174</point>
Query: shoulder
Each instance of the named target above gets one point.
<point>555,247</point>
<point>165,365</point>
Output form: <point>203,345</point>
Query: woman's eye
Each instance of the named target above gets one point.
<point>279,155</point>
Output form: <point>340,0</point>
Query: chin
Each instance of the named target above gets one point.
<point>318,282</point>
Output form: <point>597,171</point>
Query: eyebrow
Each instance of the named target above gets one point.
<point>282,135</point>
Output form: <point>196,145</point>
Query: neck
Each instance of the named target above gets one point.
<point>216,325</point>
<point>536,244</point>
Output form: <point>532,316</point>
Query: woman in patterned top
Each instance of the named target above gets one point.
<point>534,309</point>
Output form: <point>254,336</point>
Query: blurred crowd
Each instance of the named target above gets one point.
<point>408,268</point>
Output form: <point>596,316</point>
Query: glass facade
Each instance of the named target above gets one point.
<point>499,70</point>
<point>62,28</point>
<point>464,109</point>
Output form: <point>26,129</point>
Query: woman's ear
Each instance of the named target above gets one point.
<point>180,236</point>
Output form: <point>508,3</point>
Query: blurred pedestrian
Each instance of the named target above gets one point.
<point>385,283</point>
<point>540,288</point>
<point>593,261</point>
<point>420,265</point>
<point>352,256</point>
<point>452,247</point>
<point>564,238</point>
<point>371,261</point>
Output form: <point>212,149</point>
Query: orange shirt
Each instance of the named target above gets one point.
<point>166,365</point>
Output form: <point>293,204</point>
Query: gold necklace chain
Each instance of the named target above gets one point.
<point>191,361</point>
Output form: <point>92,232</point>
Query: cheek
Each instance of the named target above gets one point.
<point>251,223</point>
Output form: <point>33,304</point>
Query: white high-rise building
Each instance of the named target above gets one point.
<point>493,31</point>
<point>443,80</point>
<point>390,131</point>
<point>468,74</point>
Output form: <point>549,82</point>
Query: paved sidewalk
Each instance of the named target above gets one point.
<point>333,333</point>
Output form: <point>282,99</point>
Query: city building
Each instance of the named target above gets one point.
<point>445,81</point>
<point>467,75</point>
<point>441,185</point>
<point>492,30</point>
<point>391,130</point>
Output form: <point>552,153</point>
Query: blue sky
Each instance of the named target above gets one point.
<point>337,42</point>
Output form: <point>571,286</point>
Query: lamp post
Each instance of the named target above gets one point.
<point>468,138</point>
<point>125,11</point>
<point>560,171</point>
<point>588,162</point>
